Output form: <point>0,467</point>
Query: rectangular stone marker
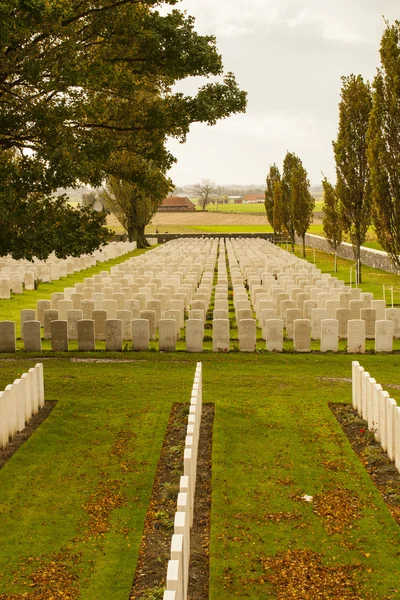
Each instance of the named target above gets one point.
<point>380,308</point>
<point>49,316</point>
<point>63,307</point>
<point>55,298</point>
<point>140,334</point>
<point>175,315</point>
<point>111,307</point>
<point>393,314</point>
<point>331,308</point>
<point>194,335</point>
<point>221,341</point>
<point>383,336</point>
<point>114,335</point>
<point>291,315</point>
<point>26,315</point>
<point>16,283</point>
<point>220,313</point>
<point>87,307</point>
<point>244,313</point>
<point>343,317</point>
<point>167,335</point>
<point>126,317</point>
<point>134,307</point>
<point>356,336</point>
<point>41,306</point>
<point>302,335</point>
<point>59,336</point>
<point>29,280</point>
<point>73,316</point>
<point>317,314</point>
<point>274,335</point>
<point>5,288</point>
<point>31,333</point>
<point>86,341</point>
<point>150,316</point>
<point>329,335</point>
<point>156,307</point>
<point>7,336</point>
<point>266,315</point>
<point>247,335</point>
<point>77,298</point>
<point>99,317</point>
<point>308,306</point>
<point>369,316</point>
<point>355,309</point>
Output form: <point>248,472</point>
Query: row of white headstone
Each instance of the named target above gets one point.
<point>17,275</point>
<point>374,405</point>
<point>19,402</point>
<point>179,564</point>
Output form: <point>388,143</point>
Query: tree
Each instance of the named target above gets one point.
<point>383,145</point>
<point>272,178</point>
<point>291,161</point>
<point>302,202</point>
<point>278,212</point>
<point>81,80</point>
<point>331,221</point>
<point>353,185</point>
<point>203,191</point>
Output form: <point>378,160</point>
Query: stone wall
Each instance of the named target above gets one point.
<point>369,257</point>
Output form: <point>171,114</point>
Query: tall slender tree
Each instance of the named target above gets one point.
<point>331,221</point>
<point>291,161</point>
<point>272,178</point>
<point>302,203</point>
<point>353,185</point>
<point>384,145</point>
<point>278,222</point>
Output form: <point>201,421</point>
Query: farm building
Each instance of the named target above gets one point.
<point>176,203</point>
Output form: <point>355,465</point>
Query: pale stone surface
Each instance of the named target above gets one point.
<point>317,314</point>
<point>167,335</point>
<point>49,315</point>
<point>194,335</point>
<point>390,424</point>
<point>369,316</point>
<point>175,315</point>
<point>308,306</point>
<point>16,283</point>
<point>41,306</point>
<point>285,305</point>
<point>156,306</point>
<point>220,313</point>
<point>111,307</point>
<point>99,318</point>
<point>178,305</point>
<point>140,334</point>
<point>59,336</point>
<point>151,317</point>
<point>86,335</point>
<point>125,316</point>
<point>31,336</point>
<point>221,342</point>
<point>120,299</point>
<point>247,335</point>
<point>329,335</point>
<point>291,315</point>
<point>7,336</point>
<point>29,280</point>
<point>77,298</point>
<point>393,314</point>
<point>73,316</point>
<point>55,298</point>
<point>356,336</point>
<point>134,307</point>
<point>87,308</point>
<point>5,288</point>
<point>302,335</point>
<point>355,309</point>
<point>114,335</point>
<point>380,308</point>
<point>343,317</point>
<point>244,313</point>
<point>274,335</point>
<point>331,308</point>
<point>63,307</point>
<point>383,336</point>
<point>26,315</point>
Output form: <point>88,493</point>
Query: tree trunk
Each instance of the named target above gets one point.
<point>357,255</point>
<point>304,245</point>
<point>142,238</point>
<point>335,267</point>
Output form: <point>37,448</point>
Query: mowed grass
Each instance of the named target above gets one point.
<point>274,440</point>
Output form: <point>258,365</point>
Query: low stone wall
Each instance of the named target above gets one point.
<point>372,258</point>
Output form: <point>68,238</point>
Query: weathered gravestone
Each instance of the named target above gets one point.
<point>114,335</point>
<point>59,336</point>
<point>86,337</point>
<point>221,341</point>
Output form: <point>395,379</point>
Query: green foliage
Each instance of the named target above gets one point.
<point>383,146</point>
<point>353,185</point>
<point>290,162</point>
<point>331,220</point>
<point>273,177</point>
<point>302,202</point>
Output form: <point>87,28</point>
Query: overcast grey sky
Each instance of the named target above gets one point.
<point>289,56</point>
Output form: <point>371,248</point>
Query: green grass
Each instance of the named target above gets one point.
<point>235,208</point>
<point>272,433</point>
<point>232,228</point>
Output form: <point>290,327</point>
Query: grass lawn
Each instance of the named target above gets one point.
<point>235,208</point>
<point>73,498</point>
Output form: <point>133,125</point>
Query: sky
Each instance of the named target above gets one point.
<point>289,55</point>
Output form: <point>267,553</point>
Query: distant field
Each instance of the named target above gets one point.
<point>235,208</point>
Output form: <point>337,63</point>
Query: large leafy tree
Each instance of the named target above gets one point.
<point>273,177</point>
<point>353,185</point>
<point>384,146</point>
<point>302,202</point>
<point>331,222</point>
<point>83,79</point>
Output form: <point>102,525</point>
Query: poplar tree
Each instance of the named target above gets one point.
<point>331,221</point>
<point>302,203</point>
<point>291,161</point>
<point>278,218</point>
<point>353,185</point>
<point>273,177</point>
<point>383,145</point>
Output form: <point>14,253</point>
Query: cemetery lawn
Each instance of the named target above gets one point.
<point>73,498</point>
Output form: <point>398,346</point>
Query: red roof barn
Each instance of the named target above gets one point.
<point>176,203</point>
